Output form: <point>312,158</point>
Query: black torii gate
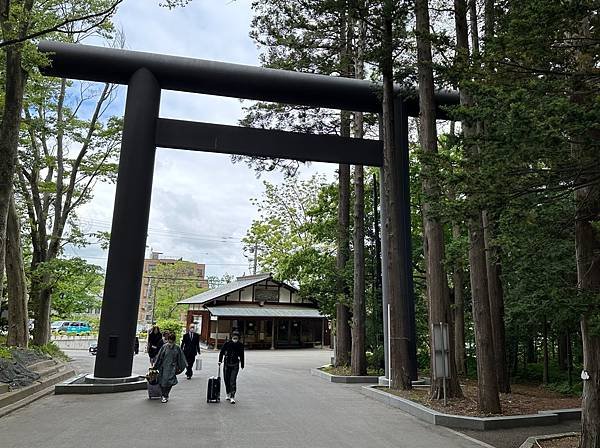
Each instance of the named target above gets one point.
<point>146,75</point>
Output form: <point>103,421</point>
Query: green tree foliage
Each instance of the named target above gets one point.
<point>172,283</point>
<point>76,285</point>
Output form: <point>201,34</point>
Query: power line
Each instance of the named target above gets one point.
<point>177,235</point>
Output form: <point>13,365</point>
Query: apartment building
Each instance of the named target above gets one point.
<point>149,282</point>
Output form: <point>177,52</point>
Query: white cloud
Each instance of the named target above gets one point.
<point>200,202</point>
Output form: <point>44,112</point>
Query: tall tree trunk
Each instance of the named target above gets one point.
<point>358,358</point>
<point>377,291</point>
<point>460,353</point>
<point>489,399</point>
<point>14,85</point>
<point>41,331</point>
<point>400,363</point>
<point>343,338</point>
<point>531,351</point>
<point>562,350</point>
<point>18,317</point>
<point>433,232</point>
<point>496,297</point>
<point>545,374</point>
<point>587,251</point>
<point>587,246</point>
<point>359,311</point>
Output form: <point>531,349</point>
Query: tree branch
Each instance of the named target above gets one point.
<point>57,28</point>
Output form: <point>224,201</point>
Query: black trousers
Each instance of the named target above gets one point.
<point>189,370</point>
<point>230,374</point>
<point>165,390</point>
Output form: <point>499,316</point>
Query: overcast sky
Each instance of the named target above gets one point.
<point>200,202</point>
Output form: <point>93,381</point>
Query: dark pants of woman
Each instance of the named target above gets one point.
<point>165,390</point>
<point>230,374</point>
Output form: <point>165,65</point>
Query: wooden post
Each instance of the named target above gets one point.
<point>273,329</point>
<point>217,334</point>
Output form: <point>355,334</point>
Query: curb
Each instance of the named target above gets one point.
<point>22,397</point>
<point>531,442</point>
<point>433,417</point>
<point>343,378</point>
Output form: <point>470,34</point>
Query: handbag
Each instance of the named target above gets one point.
<point>198,363</point>
<point>180,364</point>
<point>152,376</point>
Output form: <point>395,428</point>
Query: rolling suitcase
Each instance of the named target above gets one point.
<point>213,393</point>
<point>154,391</point>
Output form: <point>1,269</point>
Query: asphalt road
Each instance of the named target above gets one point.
<point>279,404</point>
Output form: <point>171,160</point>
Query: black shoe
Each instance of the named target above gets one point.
<point>189,377</point>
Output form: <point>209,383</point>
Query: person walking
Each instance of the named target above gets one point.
<point>155,342</point>
<point>170,362</point>
<point>233,352</point>
<point>190,344</point>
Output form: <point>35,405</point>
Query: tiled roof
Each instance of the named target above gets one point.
<point>268,310</point>
<point>228,288</point>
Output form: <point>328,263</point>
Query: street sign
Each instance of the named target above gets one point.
<point>441,353</point>
<point>441,358</point>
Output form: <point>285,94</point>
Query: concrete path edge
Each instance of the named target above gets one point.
<point>26,395</point>
<point>346,379</point>
<point>464,422</point>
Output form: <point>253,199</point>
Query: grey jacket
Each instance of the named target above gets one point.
<point>170,359</point>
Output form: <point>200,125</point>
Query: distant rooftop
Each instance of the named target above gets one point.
<point>228,288</point>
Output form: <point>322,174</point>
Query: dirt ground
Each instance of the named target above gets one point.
<point>524,399</point>
<point>564,442</point>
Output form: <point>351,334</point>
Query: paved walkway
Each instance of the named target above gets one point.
<point>279,405</point>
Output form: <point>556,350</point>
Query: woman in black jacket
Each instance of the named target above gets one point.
<point>233,352</point>
<point>155,342</point>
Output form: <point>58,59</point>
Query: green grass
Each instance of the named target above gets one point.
<point>5,353</point>
<point>52,350</point>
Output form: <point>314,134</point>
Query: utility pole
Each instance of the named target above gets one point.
<point>255,256</point>
<point>153,298</point>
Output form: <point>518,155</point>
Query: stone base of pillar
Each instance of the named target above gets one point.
<point>89,384</point>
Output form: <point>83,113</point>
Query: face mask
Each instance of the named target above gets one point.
<point>235,339</point>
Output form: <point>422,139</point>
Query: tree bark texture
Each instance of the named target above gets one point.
<point>14,85</point>
<point>18,318</point>
<point>359,310</point>
<point>488,395</point>
<point>460,354</point>
<point>400,364</point>
<point>496,297</point>
<point>433,232</point>
<point>343,341</point>
<point>343,337</point>
<point>359,313</point>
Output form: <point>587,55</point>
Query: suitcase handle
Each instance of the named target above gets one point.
<point>219,374</point>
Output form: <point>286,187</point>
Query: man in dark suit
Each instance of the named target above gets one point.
<point>190,344</point>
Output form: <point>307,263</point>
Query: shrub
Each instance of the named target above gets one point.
<point>376,359</point>
<point>51,349</point>
<point>171,325</point>
<point>5,353</point>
